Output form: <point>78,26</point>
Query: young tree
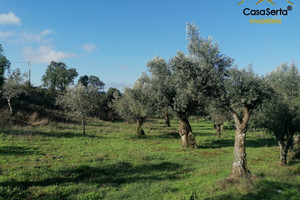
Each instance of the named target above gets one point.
<point>171,85</point>
<point>135,104</point>
<point>80,100</point>
<point>4,65</point>
<point>58,76</point>
<point>243,92</point>
<point>13,87</point>
<point>281,115</point>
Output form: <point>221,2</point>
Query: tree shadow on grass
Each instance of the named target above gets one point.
<point>214,144</point>
<point>175,135</point>
<point>112,175</point>
<point>264,189</point>
<point>169,135</point>
<point>294,161</point>
<point>55,133</point>
<point>16,151</point>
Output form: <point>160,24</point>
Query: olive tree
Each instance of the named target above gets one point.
<point>185,81</point>
<point>13,87</point>
<point>171,83</point>
<point>161,86</point>
<point>243,92</point>
<point>135,104</point>
<point>281,115</point>
<point>79,100</point>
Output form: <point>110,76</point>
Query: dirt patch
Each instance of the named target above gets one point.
<point>33,117</point>
<point>44,121</point>
<point>208,154</point>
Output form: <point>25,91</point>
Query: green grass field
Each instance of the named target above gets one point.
<point>57,162</point>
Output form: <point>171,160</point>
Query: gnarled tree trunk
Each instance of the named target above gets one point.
<point>167,118</point>
<point>283,153</point>
<point>222,127</point>
<point>139,130</point>
<point>285,147</point>
<point>239,166</point>
<point>185,131</point>
<point>219,128</point>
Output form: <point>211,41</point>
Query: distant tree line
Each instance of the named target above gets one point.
<point>58,81</point>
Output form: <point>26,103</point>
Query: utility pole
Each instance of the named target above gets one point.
<point>29,72</point>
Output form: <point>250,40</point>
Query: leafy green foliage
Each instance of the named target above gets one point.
<point>243,89</point>
<point>135,104</point>
<point>79,100</point>
<point>104,109</point>
<point>281,115</point>
<point>185,81</point>
<point>84,80</point>
<point>162,89</point>
<point>4,65</point>
<point>211,66</point>
<point>13,87</point>
<point>218,114</point>
<point>91,81</point>
<point>172,84</point>
<point>58,76</point>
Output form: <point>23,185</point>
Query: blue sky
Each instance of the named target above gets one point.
<point>114,39</point>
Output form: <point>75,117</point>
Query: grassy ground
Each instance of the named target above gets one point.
<point>57,162</point>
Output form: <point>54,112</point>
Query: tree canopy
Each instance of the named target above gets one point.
<point>91,81</point>
<point>136,103</point>
<point>185,81</point>
<point>4,65</point>
<point>13,87</point>
<point>280,115</point>
<point>58,76</point>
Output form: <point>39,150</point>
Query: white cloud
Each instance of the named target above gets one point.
<point>46,32</point>
<point>27,37</point>
<point>45,54</point>
<point>6,34</point>
<point>89,47</point>
<point>9,18</point>
<point>35,37</point>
